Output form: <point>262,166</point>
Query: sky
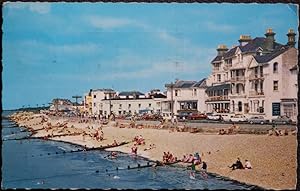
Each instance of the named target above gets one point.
<point>58,50</point>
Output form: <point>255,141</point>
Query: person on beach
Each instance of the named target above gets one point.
<point>237,165</point>
<point>134,149</point>
<point>115,143</point>
<point>191,159</point>
<point>204,170</point>
<point>192,173</point>
<point>247,164</point>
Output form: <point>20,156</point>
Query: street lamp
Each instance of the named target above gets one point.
<point>172,102</point>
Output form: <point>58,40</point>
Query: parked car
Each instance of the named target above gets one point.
<point>258,120</point>
<point>238,118</point>
<point>213,116</point>
<point>282,120</point>
<point>226,117</point>
<point>196,116</point>
<point>182,116</point>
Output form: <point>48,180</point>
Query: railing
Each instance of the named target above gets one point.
<point>217,98</point>
<point>256,93</point>
<point>238,78</point>
<point>216,69</point>
<point>253,77</point>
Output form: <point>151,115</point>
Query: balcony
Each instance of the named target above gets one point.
<point>218,98</point>
<point>256,93</point>
<point>255,77</point>
<point>238,95</point>
<point>237,78</point>
<point>216,69</point>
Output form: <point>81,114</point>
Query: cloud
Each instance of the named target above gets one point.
<point>217,27</point>
<point>109,22</point>
<point>37,7</point>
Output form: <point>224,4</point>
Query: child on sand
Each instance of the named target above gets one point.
<point>248,164</point>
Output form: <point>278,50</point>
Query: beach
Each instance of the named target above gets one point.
<point>274,158</point>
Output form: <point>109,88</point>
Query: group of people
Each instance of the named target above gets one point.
<point>195,159</point>
<point>228,131</point>
<point>277,132</point>
<point>139,140</point>
<point>239,165</point>
<point>99,135</point>
<point>169,158</point>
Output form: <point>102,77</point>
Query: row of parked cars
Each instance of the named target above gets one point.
<point>233,118</point>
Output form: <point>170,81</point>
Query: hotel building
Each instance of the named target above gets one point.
<point>257,77</point>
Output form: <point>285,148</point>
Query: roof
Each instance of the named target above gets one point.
<point>104,89</point>
<point>158,95</point>
<point>251,46</point>
<point>231,52</point>
<point>267,57</point>
<point>184,84</point>
<point>218,87</point>
<point>130,93</point>
<point>188,84</point>
<point>257,42</point>
<point>200,84</point>
<point>217,59</point>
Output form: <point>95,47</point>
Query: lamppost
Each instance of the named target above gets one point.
<point>172,102</point>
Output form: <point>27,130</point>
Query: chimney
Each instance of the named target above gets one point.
<point>291,38</point>
<point>270,39</point>
<point>222,49</point>
<point>244,39</point>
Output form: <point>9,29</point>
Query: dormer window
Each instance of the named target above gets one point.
<point>275,67</point>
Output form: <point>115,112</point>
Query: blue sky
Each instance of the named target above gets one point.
<point>63,49</point>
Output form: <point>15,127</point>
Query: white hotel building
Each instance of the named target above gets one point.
<point>258,77</point>
<point>106,101</point>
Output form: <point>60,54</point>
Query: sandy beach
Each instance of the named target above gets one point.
<point>274,158</point>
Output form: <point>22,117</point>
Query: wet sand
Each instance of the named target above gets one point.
<point>274,158</point>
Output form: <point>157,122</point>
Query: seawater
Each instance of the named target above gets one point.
<point>35,164</point>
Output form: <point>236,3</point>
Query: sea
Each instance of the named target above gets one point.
<point>45,164</point>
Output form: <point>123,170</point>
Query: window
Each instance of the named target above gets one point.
<point>195,92</point>
<point>275,67</point>
<point>120,112</point>
<point>256,86</point>
<point>219,77</point>
<point>238,89</point>
<point>176,92</point>
<point>94,104</point>
<point>240,106</point>
<point>256,71</point>
<point>120,106</point>
<point>94,96</point>
<point>139,105</point>
<point>275,85</point>
<point>129,105</point>
<point>261,86</point>
<point>261,71</point>
<point>149,104</point>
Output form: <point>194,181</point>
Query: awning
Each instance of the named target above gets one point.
<point>218,87</point>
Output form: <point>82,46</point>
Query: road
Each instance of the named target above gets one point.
<point>219,125</point>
